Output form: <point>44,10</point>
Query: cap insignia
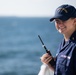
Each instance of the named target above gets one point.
<point>63,9</point>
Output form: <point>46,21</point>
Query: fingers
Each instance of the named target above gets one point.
<point>46,58</point>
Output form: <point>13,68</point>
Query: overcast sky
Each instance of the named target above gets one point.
<point>31,7</point>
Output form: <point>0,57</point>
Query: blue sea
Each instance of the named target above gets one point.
<point>20,47</point>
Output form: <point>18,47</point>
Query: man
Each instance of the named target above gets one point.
<point>65,23</point>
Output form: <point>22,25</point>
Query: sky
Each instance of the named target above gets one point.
<point>31,8</point>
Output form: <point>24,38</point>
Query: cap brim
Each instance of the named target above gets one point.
<point>64,18</point>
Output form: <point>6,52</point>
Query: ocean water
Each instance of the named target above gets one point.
<point>20,47</point>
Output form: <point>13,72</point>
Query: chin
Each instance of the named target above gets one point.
<point>62,32</point>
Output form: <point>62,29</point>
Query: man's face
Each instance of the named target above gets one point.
<point>65,27</point>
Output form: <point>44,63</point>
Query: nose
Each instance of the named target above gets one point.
<point>59,23</point>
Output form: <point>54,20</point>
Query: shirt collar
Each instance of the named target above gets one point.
<point>73,37</point>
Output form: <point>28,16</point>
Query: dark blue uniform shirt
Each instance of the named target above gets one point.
<point>66,58</point>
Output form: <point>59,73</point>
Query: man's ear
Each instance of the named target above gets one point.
<point>74,21</point>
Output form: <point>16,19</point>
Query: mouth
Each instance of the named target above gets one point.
<point>61,29</point>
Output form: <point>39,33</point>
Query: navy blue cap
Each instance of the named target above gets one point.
<point>64,12</point>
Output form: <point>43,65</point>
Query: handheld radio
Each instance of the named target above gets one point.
<point>47,51</point>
